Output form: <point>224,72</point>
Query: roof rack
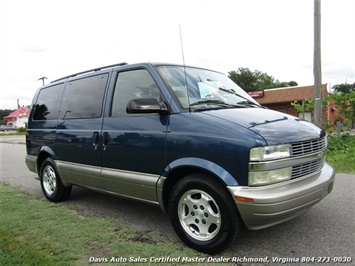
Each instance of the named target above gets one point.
<point>91,70</point>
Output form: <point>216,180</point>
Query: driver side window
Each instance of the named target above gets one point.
<point>130,85</point>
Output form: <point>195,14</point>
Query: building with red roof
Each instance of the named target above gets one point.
<point>280,99</point>
<point>18,117</point>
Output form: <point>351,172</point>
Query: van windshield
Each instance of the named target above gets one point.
<point>201,89</point>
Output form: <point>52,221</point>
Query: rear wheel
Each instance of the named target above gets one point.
<point>203,213</point>
<point>52,186</point>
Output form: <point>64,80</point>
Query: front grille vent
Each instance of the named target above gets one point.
<point>307,168</point>
<point>309,147</point>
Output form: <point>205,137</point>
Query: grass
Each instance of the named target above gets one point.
<point>34,231</point>
<point>13,133</point>
<point>341,153</point>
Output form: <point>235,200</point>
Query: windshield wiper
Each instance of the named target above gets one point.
<point>248,103</point>
<point>219,103</point>
<point>209,101</point>
<point>242,104</point>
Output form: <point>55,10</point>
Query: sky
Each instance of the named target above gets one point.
<point>52,39</point>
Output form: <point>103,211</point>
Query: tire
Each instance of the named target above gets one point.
<point>51,184</point>
<point>203,213</point>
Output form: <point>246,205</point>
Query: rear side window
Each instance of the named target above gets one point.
<point>83,98</point>
<point>47,105</point>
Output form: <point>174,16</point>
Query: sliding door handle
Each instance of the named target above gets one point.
<point>105,142</point>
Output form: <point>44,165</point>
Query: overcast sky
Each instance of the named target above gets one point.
<point>56,38</point>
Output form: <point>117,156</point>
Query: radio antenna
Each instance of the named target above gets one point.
<point>183,61</point>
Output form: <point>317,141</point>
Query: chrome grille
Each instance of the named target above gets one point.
<point>307,168</point>
<point>309,147</point>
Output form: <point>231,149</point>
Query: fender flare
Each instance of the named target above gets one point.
<point>40,157</point>
<point>50,152</point>
<point>198,164</point>
<point>204,165</point>
<point>46,149</point>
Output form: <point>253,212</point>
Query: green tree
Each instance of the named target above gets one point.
<point>344,98</point>
<point>256,80</point>
<point>244,78</point>
<point>345,102</point>
<point>306,106</point>
<point>344,87</point>
<point>286,84</point>
<point>3,113</point>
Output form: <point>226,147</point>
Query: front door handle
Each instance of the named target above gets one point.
<point>96,140</point>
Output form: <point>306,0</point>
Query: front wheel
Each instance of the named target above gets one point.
<point>52,186</point>
<point>203,213</point>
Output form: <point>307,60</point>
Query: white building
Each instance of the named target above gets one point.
<point>18,117</point>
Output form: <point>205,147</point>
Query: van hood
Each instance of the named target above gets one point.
<point>273,126</point>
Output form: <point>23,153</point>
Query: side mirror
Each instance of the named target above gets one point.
<point>146,106</point>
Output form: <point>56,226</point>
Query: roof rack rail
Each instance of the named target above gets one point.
<point>90,70</point>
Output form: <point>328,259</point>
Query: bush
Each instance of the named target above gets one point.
<point>341,153</point>
<point>21,130</point>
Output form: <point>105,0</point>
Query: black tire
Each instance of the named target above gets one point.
<point>51,184</point>
<point>203,213</point>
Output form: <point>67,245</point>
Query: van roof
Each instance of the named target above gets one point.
<point>122,64</point>
<point>90,70</point>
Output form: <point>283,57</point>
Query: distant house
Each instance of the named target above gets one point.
<point>18,117</point>
<point>280,99</point>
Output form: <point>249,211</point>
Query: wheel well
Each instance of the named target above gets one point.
<point>41,157</point>
<point>179,173</point>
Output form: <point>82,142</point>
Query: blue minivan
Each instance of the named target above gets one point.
<point>187,139</point>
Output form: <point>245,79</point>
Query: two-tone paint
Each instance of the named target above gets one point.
<point>143,156</point>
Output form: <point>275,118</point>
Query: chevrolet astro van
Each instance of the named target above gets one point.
<point>187,139</point>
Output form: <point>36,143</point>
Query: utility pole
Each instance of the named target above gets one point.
<point>42,78</point>
<point>317,71</point>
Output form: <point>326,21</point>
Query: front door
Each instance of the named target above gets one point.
<point>133,153</point>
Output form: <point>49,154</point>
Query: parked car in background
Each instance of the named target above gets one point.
<point>8,128</point>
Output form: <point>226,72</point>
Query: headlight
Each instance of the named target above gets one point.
<point>270,152</point>
<point>269,177</point>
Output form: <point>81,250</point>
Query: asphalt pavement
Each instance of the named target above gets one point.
<point>322,234</point>
<point>13,139</point>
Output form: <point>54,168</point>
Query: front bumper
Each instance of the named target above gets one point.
<point>283,201</point>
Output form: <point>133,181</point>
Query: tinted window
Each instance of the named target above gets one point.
<point>132,85</point>
<point>47,105</point>
<point>83,98</point>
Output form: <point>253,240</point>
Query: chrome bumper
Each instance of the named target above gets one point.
<point>283,201</point>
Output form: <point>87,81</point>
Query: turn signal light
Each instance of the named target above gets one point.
<point>244,199</point>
